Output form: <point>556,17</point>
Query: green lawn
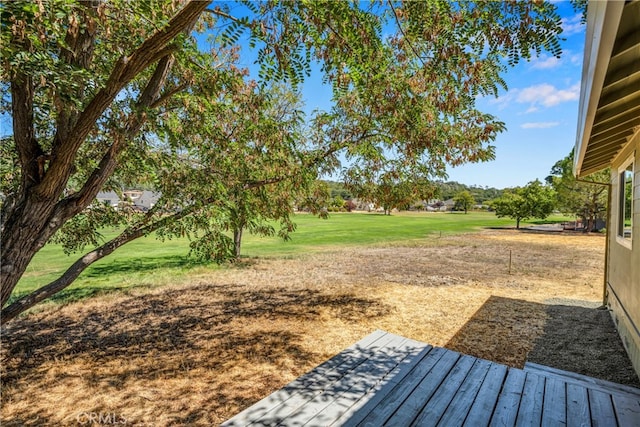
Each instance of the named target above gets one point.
<point>149,262</point>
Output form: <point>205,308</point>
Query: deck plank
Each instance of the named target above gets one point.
<point>314,381</point>
<point>411,407</point>
<point>460,405</point>
<point>590,382</point>
<point>627,410</point>
<point>304,405</point>
<point>554,406</point>
<point>438,404</point>
<point>323,409</point>
<point>530,410</point>
<point>381,413</point>
<point>485,402</point>
<point>401,375</point>
<point>386,379</point>
<point>577,406</point>
<point>506,411</point>
<point>601,408</point>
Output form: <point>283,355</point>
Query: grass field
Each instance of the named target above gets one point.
<point>213,341</point>
<point>147,262</point>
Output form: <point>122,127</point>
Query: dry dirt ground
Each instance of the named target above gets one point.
<point>196,353</point>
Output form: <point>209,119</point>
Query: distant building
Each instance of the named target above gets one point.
<point>435,205</point>
<point>449,204</point>
<point>108,197</point>
<point>143,199</point>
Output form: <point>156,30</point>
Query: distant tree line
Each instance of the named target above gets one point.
<point>450,189</point>
<point>338,189</point>
<point>441,190</point>
<point>585,199</point>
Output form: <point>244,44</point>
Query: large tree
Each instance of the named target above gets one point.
<point>102,94</point>
<point>268,141</point>
<point>534,200</point>
<point>586,198</point>
<point>463,201</point>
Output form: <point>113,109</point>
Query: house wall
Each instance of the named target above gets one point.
<point>110,197</point>
<point>623,277</point>
<point>148,199</point>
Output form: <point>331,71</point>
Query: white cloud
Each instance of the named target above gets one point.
<point>539,125</point>
<point>572,25</point>
<point>548,95</point>
<point>575,58</point>
<point>546,62</point>
<point>542,95</point>
<point>504,100</point>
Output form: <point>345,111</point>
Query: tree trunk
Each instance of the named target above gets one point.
<point>590,223</point>
<point>237,242</point>
<point>517,223</point>
<point>26,229</point>
<point>38,212</point>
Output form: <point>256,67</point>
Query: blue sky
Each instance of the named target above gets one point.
<point>540,110</point>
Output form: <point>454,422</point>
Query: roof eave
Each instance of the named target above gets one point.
<point>603,19</point>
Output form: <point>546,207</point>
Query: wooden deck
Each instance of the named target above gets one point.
<point>386,379</point>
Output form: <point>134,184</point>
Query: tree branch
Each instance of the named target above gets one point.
<point>26,302</point>
<point>311,163</point>
<point>75,203</point>
<point>29,151</point>
<point>81,42</point>
<point>155,84</point>
<point>166,96</point>
<point>70,206</point>
<point>219,12</point>
<point>404,36</point>
<point>128,67</point>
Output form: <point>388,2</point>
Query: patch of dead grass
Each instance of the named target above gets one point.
<point>196,353</point>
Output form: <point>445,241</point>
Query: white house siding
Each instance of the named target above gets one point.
<point>608,136</point>
<point>109,197</point>
<point>623,278</point>
<point>148,199</point>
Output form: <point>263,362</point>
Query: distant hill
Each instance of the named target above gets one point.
<point>445,191</point>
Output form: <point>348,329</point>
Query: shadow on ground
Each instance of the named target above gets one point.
<point>570,337</point>
<point>141,265</point>
<point>106,269</point>
<point>164,337</point>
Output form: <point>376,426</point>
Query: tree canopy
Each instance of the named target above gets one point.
<point>389,190</point>
<point>534,200</point>
<point>586,198</point>
<point>105,94</point>
<point>463,201</point>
